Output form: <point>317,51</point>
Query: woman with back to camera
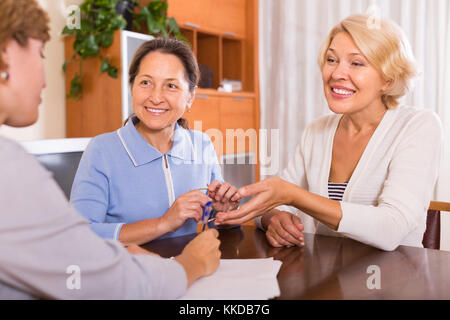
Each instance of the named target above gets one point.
<point>367,171</point>
<point>142,182</point>
<point>42,237</point>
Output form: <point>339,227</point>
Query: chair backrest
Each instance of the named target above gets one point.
<point>60,156</point>
<point>432,235</point>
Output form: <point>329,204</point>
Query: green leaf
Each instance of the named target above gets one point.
<point>180,36</point>
<point>105,39</point>
<point>89,46</point>
<point>102,17</point>
<point>105,65</point>
<point>153,26</point>
<point>118,23</point>
<point>112,72</point>
<point>144,13</point>
<point>64,67</point>
<point>173,26</point>
<point>68,31</point>
<point>75,87</point>
<point>158,8</point>
<point>137,25</point>
<point>86,26</point>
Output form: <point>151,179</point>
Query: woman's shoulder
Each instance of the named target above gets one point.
<point>103,141</point>
<point>10,149</point>
<point>413,113</point>
<point>14,157</point>
<point>196,135</point>
<point>409,116</point>
<point>101,147</point>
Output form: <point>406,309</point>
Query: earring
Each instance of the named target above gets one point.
<point>189,109</point>
<point>4,75</point>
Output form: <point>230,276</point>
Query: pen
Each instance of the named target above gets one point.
<point>200,189</point>
<point>207,213</point>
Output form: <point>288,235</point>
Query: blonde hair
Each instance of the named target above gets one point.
<point>20,20</point>
<point>386,48</point>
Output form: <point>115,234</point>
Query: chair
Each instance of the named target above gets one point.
<point>432,235</point>
<point>59,156</point>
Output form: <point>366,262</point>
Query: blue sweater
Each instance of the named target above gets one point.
<point>123,179</point>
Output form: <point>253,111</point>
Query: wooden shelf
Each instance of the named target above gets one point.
<point>226,17</point>
<point>224,37</point>
<point>209,54</point>
<point>216,93</point>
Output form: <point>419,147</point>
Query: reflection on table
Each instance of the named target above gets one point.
<point>334,267</point>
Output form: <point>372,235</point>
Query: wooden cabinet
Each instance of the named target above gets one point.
<point>237,122</point>
<point>229,120</point>
<point>224,38</point>
<point>205,113</point>
<point>217,16</point>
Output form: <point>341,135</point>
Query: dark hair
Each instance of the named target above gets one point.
<point>170,46</point>
<point>20,20</point>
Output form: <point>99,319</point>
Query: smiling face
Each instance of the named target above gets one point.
<point>160,92</point>
<point>350,83</point>
<point>21,93</point>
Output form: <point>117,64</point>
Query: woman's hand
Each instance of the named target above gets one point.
<point>188,205</point>
<point>269,193</point>
<point>201,256</point>
<point>221,193</point>
<point>283,229</point>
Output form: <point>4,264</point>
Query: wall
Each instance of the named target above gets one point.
<point>51,123</point>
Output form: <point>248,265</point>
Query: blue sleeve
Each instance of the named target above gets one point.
<point>211,160</point>
<point>90,191</point>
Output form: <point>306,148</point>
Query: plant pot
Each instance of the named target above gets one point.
<point>124,7</point>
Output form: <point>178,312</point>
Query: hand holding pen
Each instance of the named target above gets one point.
<point>186,206</point>
<point>222,194</point>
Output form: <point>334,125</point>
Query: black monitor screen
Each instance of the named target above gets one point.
<point>64,166</point>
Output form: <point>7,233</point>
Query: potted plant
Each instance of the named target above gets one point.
<point>99,19</point>
<point>126,9</point>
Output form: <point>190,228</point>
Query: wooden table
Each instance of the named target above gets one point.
<point>336,268</point>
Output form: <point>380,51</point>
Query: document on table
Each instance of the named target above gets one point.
<point>238,279</point>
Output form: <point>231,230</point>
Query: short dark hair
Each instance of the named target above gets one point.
<point>21,20</point>
<point>170,46</point>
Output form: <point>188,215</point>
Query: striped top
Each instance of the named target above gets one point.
<point>336,190</point>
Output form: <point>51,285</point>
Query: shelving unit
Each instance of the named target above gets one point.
<point>224,37</point>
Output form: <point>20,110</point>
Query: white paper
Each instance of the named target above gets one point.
<point>238,279</point>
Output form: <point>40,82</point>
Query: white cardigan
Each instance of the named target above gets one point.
<point>386,199</point>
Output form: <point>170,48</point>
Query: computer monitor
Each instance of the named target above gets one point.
<point>59,156</point>
<point>62,156</point>
<point>239,170</point>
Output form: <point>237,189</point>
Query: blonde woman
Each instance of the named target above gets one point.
<point>44,242</point>
<point>367,171</point>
